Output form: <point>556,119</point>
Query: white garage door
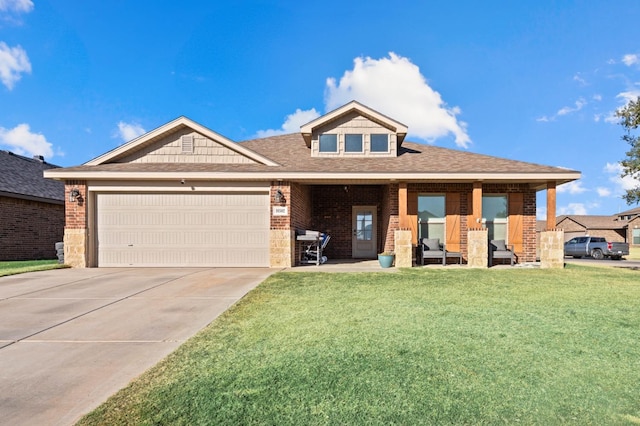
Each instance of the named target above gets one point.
<point>164,229</point>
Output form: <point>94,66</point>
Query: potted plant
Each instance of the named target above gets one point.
<point>386,259</point>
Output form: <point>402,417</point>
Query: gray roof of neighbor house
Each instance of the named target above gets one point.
<point>21,177</point>
<point>294,161</point>
<point>594,222</point>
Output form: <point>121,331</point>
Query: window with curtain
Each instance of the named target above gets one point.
<point>636,236</point>
<point>431,216</point>
<point>495,216</point>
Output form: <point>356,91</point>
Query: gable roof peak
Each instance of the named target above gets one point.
<point>172,126</point>
<point>354,106</point>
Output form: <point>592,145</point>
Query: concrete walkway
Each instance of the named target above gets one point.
<point>70,338</point>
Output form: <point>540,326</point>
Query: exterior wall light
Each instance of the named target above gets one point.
<point>74,195</point>
<point>278,197</point>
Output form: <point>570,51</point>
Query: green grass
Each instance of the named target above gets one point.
<point>19,267</point>
<point>634,253</point>
<point>437,346</point>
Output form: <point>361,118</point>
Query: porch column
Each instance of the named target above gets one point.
<point>477,243</point>
<point>403,206</point>
<point>476,214</point>
<point>551,205</point>
<point>551,240</point>
<point>402,237</point>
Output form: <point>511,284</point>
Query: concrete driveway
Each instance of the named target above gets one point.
<point>70,338</point>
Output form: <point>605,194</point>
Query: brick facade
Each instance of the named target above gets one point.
<point>332,213</point>
<point>328,208</point>
<point>29,229</point>
<point>75,231</point>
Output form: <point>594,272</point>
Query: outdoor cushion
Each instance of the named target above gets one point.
<point>431,244</point>
<point>499,245</point>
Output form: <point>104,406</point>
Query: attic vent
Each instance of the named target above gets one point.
<point>187,143</point>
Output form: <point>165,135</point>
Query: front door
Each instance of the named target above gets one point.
<point>364,232</point>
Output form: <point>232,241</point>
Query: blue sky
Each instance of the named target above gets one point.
<point>535,81</point>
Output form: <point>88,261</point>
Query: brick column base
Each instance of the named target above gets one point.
<point>75,248</point>
<point>403,249</point>
<point>478,248</point>
<point>282,245</point>
<point>552,249</point>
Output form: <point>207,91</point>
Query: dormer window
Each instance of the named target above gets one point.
<point>353,143</point>
<point>379,142</point>
<point>353,130</point>
<point>328,143</point>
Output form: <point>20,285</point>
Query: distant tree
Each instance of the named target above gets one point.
<point>630,120</point>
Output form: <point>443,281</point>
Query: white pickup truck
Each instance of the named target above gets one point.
<point>596,247</point>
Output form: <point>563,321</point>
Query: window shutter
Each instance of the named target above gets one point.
<point>516,225</point>
<point>452,210</point>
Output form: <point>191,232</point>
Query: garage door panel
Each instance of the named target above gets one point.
<point>183,229</point>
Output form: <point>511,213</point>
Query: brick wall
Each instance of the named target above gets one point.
<point>465,189</point>
<point>332,210</point>
<point>389,218</point>
<point>76,211</point>
<point>29,229</point>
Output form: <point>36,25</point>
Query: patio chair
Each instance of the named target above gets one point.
<point>430,248</point>
<point>499,250</point>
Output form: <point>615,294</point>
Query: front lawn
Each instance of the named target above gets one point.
<point>19,267</point>
<point>422,346</point>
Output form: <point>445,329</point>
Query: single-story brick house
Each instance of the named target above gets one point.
<point>609,227</point>
<point>184,195</point>
<point>31,209</point>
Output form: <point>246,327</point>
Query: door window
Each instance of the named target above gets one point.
<point>364,226</point>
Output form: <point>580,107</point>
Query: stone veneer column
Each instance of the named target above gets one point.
<point>75,229</point>
<point>478,248</point>
<point>281,251</point>
<point>552,249</point>
<point>403,249</point>
<point>75,243</point>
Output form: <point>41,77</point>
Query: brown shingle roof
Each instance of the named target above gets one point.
<point>292,155</point>
<point>594,222</point>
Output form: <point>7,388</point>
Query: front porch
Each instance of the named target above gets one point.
<point>364,219</point>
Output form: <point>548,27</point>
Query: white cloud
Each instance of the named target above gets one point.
<point>541,213</point>
<point>597,97</point>
<point>568,110</point>
<point>18,6</point>
<point>631,59</point>
<point>622,183</point>
<point>603,192</point>
<point>580,79</point>
<point>129,131</point>
<point>24,142</point>
<point>13,63</point>
<point>573,187</point>
<point>578,105</point>
<point>572,208</point>
<point>630,95</point>
<point>394,86</point>
<point>292,123</point>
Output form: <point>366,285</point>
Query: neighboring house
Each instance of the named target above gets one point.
<point>631,218</point>
<point>184,195</point>
<point>31,209</point>
<point>609,227</point>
